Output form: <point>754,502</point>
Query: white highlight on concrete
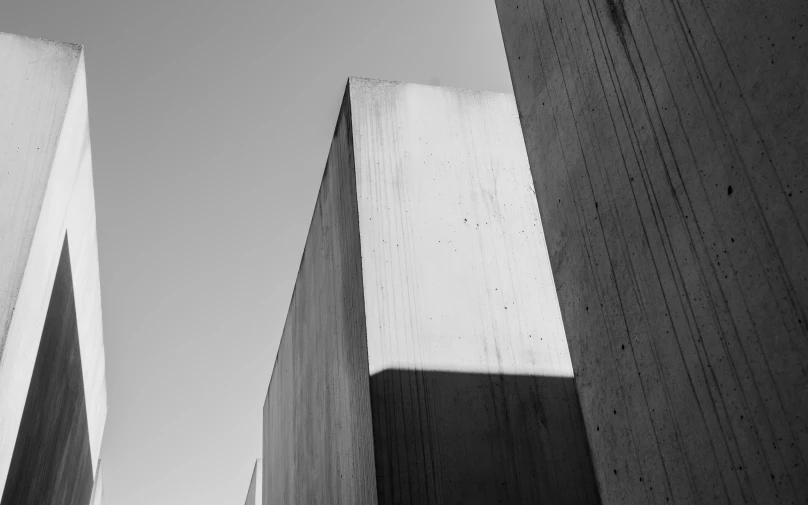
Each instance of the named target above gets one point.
<point>97,497</point>
<point>454,263</point>
<point>46,191</point>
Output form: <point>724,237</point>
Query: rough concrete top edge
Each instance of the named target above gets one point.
<point>368,82</point>
<point>69,46</point>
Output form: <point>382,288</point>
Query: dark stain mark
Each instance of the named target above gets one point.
<point>617,14</point>
<point>729,190</point>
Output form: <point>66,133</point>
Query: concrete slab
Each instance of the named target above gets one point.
<point>423,358</point>
<point>46,201</point>
<point>255,491</point>
<point>667,144</point>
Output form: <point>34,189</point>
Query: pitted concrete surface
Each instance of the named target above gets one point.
<point>667,144</point>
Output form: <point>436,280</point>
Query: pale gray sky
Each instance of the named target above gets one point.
<point>210,125</point>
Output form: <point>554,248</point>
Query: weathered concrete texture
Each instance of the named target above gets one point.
<point>667,143</point>
<point>318,444</point>
<point>255,491</point>
<point>423,358</point>
<point>46,194</point>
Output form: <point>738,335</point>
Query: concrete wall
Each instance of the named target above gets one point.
<point>317,424</point>
<point>255,491</point>
<point>46,195</point>
<point>454,348</point>
<point>51,461</point>
<point>667,144</point>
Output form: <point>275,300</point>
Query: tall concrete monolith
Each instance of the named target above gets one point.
<point>423,358</point>
<point>667,145</point>
<point>52,387</point>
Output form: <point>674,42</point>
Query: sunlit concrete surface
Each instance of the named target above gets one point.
<point>48,258</point>
<point>423,358</point>
<point>454,267</point>
<point>667,141</point>
<point>98,488</point>
<point>255,491</point>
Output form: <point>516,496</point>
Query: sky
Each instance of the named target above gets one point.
<point>210,126</point>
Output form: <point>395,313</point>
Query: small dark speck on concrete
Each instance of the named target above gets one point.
<point>729,190</point>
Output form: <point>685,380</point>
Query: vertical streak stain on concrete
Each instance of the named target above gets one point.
<point>666,140</point>
<point>318,445</point>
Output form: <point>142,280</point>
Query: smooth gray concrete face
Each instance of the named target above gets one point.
<point>667,145</point>
<point>423,358</point>
<point>255,491</point>
<point>46,195</point>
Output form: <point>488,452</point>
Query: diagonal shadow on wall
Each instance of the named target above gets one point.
<point>51,463</point>
<point>475,438</point>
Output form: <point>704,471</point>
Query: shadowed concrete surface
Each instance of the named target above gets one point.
<point>318,445</point>
<point>667,144</point>
<point>51,462</point>
<point>448,437</point>
<point>425,253</point>
<point>46,194</point>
